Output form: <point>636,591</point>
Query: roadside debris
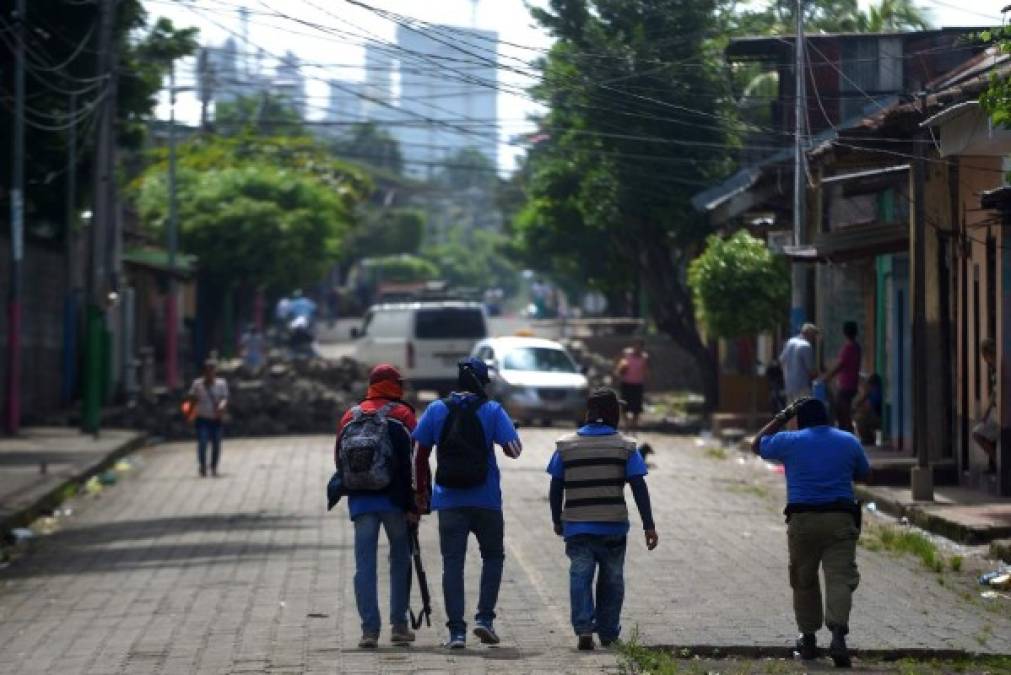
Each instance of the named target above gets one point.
<point>281,397</point>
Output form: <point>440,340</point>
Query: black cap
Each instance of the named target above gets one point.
<point>603,406</point>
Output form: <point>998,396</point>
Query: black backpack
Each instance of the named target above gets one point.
<point>462,451</point>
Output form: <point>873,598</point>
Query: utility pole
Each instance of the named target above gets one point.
<point>103,215</point>
<point>70,241</point>
<point>922,476</point>
<point>798,303</point>
<point>171,313</point>
<point>12,408</point>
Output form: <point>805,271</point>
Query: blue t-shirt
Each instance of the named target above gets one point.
<point>498,428</point>
<point>820,462</point>
<point>635,466</point>
<point>377,503</point>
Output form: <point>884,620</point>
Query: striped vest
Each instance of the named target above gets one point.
<point>595,477</point>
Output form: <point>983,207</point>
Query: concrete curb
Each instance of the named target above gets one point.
<point>52,497</point>
<point>787,652</point>
<point>932,521</point>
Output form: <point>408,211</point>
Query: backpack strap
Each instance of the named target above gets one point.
<point>385,410</point>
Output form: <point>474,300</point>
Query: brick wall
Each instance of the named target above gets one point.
<point>44,280</point>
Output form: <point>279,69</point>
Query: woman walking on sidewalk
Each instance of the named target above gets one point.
<point>210,396</point>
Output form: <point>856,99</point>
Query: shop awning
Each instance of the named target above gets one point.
<point>157,259</point>
<point>852,243</point>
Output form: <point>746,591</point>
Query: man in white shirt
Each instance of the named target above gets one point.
<point>210,396</point>
<point>798,361</point>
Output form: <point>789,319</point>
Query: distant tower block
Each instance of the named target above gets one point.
<point>473,12</point>
<point>244,23</point>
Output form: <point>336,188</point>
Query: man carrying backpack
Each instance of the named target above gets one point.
<point>373,457</point>
<point>464,428</point>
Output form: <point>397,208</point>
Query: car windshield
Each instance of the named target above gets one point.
<point>448,323</point>
<point>542,359</point>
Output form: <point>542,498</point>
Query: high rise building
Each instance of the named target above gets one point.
<point>447,95</point>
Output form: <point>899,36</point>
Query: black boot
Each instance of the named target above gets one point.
<point>807,646</point>
<point>838,650</point>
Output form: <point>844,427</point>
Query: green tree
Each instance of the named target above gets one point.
<point>366,143</point>
<point>403,268</point>
<point>467,169</point>
<point>738,286</point>
<point>892,16</point>
<point>269,212</point>
<point>476,259</point>
<point>61,41</point>
<point>265,114</point>
<point>610,189</point>
<point>386,232</point>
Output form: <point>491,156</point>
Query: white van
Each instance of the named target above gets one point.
<point>425,340</point>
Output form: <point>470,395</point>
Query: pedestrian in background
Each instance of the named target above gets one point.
<point>823,519</point>
<point>209,394</point>
<point>464,429</point>
<point>381,423</point>
<point>846,372</point>
<point>632,371</point>
<point>798,361</point>
<point>588,474</point>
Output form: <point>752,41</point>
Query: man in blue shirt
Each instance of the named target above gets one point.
<point>588,474</point>
<point>823,518</point>
<point>466,510</point>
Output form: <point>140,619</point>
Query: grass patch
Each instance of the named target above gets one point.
<point>908,543</point>
<point>715,452</point>
<point>749,489</point>
<point>955,563</point>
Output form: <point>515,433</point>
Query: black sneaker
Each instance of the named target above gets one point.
<point>585,643</point>
<point>807,646</point>
<point>838,650</point>
<point>203,472</point>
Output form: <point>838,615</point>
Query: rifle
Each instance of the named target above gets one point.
<point>425,615</point>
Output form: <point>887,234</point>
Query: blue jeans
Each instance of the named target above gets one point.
<point>605,555</point>
<point>366,545</point>
<point>208,431</point>
<point>455,526</point>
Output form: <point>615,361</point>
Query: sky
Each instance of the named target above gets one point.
<point>328,36</point>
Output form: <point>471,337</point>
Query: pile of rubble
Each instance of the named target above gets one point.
<point>283,397</point>
<point>599,369</point>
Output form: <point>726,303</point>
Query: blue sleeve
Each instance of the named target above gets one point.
<point>504,431</point>
<point>861,466</point>
<point>555,467</point>
<point>776,446</point>
<point>426,433</point>
<point>635,466</point>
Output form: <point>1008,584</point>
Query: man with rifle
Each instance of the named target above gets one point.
<point>823,518</point>
<point>373,458</point>
<point>464,428</point>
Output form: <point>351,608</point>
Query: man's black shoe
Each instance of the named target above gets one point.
<point>585,643</point>
<point>838,651</point>
<point>807,646</point>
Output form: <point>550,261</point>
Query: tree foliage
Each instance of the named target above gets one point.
<point>386,232</point>
<point>61,42</point>
<point>638,121</point>
<point>738,286</point>
<point>996,98</point>
<point>263,211</point>
<point>368,144</point>
<point>265,114</point>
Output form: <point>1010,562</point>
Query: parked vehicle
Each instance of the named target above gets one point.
<point>425,340</point>
<point>534,378</point>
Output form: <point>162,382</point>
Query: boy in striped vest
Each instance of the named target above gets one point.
<point>588,474</point>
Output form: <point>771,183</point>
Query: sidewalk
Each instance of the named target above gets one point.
<point>38,464</point>
<point>964,515</point>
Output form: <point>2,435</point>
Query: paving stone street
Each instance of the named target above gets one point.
<point>169,573</point>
